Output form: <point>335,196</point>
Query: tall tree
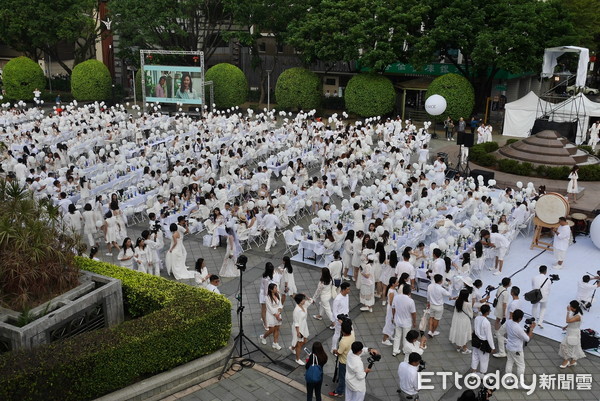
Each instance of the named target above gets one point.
<point>258,17</point>
<point>38,27</point>
<point>171,25</point>
<point>491,35</point>
<point>373,32</point>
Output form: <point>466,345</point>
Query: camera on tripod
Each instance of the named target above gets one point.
<point>241,262</point>
<point>553,277</point>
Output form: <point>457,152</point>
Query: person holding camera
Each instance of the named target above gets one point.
<point>585,290</point>
<point>515,338</point>
<point>483,345</point>
<point>356,373</point>
<point>513,305</point>
<point>408,377</point>
<point>541,282</point>
<point>570,347</point>
<point>342,353</point>
<point>562,234</point>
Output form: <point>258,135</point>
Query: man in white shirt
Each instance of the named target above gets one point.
<point>404,316</point>
<point>271,223</point>
<point>64,203</point>
<point>406,267</point>
<point>439,265</point>
<point>340,307</point>
<point>405,210</point>
<point>483,330</point>
<point>435,303</point>
<point>541,282</point>
<point>562,234</point>
<point>408,376</point>
<point>585,290</point>
<point>501,243</point>
<point>513,305</point>
<point>503,297</point>
<point>516,337</point>
<point>214,282</point>
<point>356,373</point>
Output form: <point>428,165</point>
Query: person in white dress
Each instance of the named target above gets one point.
<point>112,232</point>
<point>324,292</point>
<point>460,328</point>
<point>570,347</point>
<point>74,220</point>
<point>126,254</point>
<point>176,256</point>
<point>439,169</point>
<point>594,135</point>
<point>389,328</point>
<point>143,256</point>
<point>572,186</point>
<point>269,276</point>
<point>228,268</point>
<point>300,331</point>
<point>89,224</point>
<point>356,254</point>
<point>201,276</point>
<point>288,282</point>
<point>348,253</point>
<point>274,317</point>
<point>367,285</point>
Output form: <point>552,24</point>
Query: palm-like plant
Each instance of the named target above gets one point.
<point>36,252</point>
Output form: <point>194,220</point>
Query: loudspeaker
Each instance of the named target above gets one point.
<point>450,173</point>
<point>466,139</point>
<point>487,175</point>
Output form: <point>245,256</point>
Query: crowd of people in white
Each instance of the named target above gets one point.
<point>381,213</point>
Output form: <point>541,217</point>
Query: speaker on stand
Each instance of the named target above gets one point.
<point>465,140</point>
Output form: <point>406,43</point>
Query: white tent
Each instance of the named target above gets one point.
<point>578,107</point>
<point>520,115</point>
<point>553,53</point>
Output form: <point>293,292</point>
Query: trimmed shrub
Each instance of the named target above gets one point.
<point>369,95</point>
<point>21,76</point>
<point>178,323</point>
<point>589,172</point>
<point>511,141</point>
<point>230,85</point>
<point>459,95</point>
<point>91,81</point>
<point>298,88</point>
<point>558,173</point>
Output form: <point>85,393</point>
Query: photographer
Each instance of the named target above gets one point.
<point>585,290</point>
<point>541,282</point>
<point>515,338</point>
<point>408,377</point>
<point>356,372</point>
<point>482,328</point>
<point>513,305</point>
<point>342,354</point>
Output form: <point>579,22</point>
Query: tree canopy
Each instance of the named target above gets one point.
<point>37,27</point>
<point>374,32</point>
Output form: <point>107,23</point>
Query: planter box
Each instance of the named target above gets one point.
<point>97,302</point>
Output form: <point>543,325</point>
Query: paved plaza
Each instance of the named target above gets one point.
<point>284,380</point>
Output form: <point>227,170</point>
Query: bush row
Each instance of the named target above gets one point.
<point>176,323</point>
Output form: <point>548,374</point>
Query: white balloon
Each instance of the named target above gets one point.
<point>595,231</point>
<point>435,105</point>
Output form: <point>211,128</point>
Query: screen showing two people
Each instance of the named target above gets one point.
<point>173,84</point>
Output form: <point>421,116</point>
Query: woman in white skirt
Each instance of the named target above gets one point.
<point>572,186</point>
<point>288,282</point>
<point>324,294</point>
<point>269,276</point>
<point>387,272</point>
<point>389,327</point>
<point>460,328</point>
<point>143,256</point>
<point>89,224</point>
<point>367,285</point>
<point>274,308</point>
<point>380,259</point>
<point>126,254</point>
<point>348,253</point>
<point>570,347</point>
<point>356,253</point>
<point>201,275</point>
<point>300,326</point>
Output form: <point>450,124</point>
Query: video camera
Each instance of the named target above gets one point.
<point>241,262</point>
<point>528,323</point>
<point>422,365</point>
<point>553,277</point>
<point>373,358</point>
<point>344,318</point>
<point>488,291</point>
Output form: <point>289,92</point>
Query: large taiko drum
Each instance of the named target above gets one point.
<point>550,207</point>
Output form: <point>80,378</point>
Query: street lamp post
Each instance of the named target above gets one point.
<point>269,90</point>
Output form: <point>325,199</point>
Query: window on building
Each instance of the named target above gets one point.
<point>262,47</point>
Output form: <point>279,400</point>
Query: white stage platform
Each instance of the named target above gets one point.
<point>582,258</point>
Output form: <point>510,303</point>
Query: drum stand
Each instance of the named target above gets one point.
<point>536,242</point>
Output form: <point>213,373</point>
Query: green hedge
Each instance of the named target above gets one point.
<point>459,95</point>
<point>178,323</point>
<point>298,88</point>
<point>91,81</point>
<point>230,85</point>
<point>21,76</point>
<point>369,95</point>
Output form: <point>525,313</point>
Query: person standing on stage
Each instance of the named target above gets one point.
<point>562,234</point>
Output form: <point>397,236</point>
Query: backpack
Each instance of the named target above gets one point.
<point>314,373</point>
<point>589,339</point>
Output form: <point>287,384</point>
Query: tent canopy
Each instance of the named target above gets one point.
<point>520,115</point>
<point>578,107</point>
<point>552,54</point>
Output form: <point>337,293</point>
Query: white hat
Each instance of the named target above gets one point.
<point>467,280</point>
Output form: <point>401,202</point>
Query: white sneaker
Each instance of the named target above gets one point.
<point>300,362</point>
<point>499,355</point>
<point>262,339</point>
<point>497,273</point>
<point>436,333</point>
<point>276,346</point>
<point>108,254</point>
<point>387,342</point>
<point>466,352</point>
<point>364,308</point>
<point>429,333</point>
<point>383,303</point>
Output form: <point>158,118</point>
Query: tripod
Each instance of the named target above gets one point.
<point>241,339</point>
<point>463,169</point>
